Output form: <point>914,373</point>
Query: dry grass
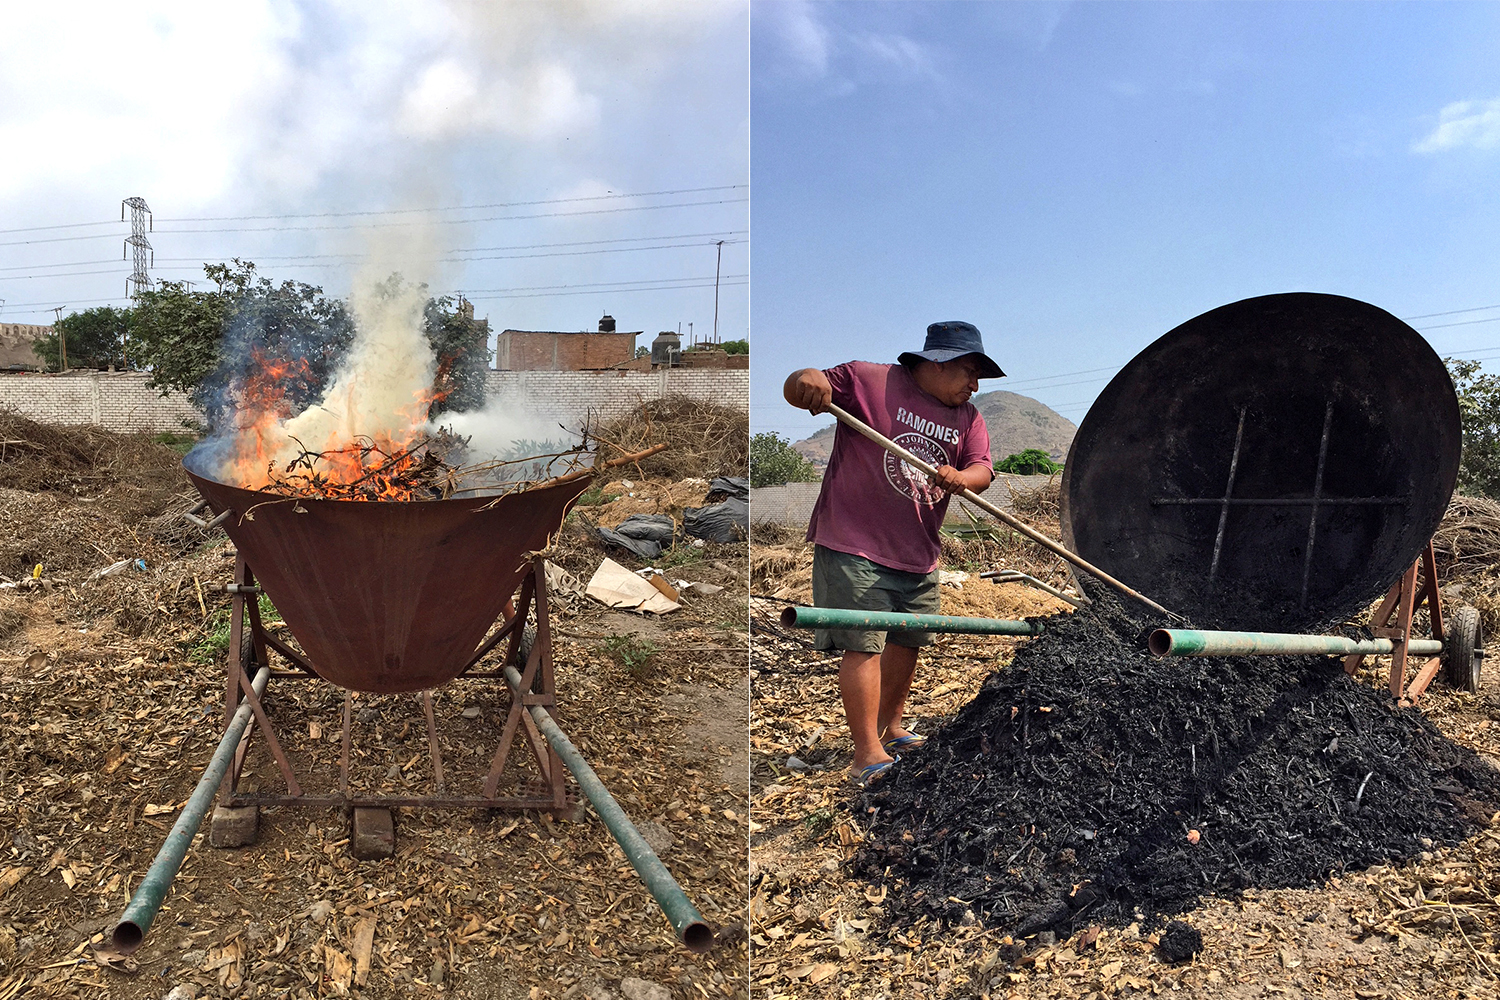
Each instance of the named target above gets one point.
<point>1467,543</point>
<point>1467,547</point>
<point>703,439</point>
<point>108,729</point>
<point>1042,501</point>
<point>79,498</point>
<point>132,474</point>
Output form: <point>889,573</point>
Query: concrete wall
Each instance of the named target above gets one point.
<point>121,401</point>
<point>531,350</point>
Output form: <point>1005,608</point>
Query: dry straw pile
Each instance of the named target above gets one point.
<point>703,439</point>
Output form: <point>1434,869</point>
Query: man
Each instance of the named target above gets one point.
<point>875,525</point>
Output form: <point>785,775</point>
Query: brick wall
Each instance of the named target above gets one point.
<point>528,350</point>
<point>122,401</point>
<point>574,395</point>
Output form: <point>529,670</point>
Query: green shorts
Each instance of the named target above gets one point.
<point>842,580</point>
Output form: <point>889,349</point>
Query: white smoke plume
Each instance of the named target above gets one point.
<point>380,391</point>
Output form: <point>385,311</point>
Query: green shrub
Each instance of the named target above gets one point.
<point>595,496</point>
<point>1031,462</point>
<point>1479,408</point>
<point>636,655</point>
<point>773,461</point>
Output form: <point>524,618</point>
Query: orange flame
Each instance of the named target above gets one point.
<point>380,467</point>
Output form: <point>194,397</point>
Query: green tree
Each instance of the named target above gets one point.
<point>1479,408</point>
<point>462,346</point>
<point>774,461</point>
<point>202,343</point>
<point>177,333</point>
<point>1031,462</point>
<point>95,338</point>
<point>736,346</point>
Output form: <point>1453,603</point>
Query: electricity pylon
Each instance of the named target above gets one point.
<point>140,224</point>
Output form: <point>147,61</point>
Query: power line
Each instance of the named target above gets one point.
<point>595,291</point>
<point>66,225</point>
<point>1041,378</point>
<point>443,260</point>
<point>463,208</point>
<point>603,285</point>
<point>455,222</point>
<point>622,239</point>
<point>66,263</point>
<point>1466,322</point>
<point>649,284</point>
<point>391,211</point>
<point>384,225</point>
<point>1450,312</point>
<point>581,253</point>
<point>1059,385</point>
<point>362,256</point>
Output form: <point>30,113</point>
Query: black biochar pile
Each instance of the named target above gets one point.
<point>1089,782</point>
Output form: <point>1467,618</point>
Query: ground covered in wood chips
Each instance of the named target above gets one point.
<point>110,701</point>
<point>1427,924</point>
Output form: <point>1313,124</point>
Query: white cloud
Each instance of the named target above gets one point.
<point>1464,123</point>
<point>280,96</point>
<point>103,92</point>
<point>804,37</point>
<point>907,57</point>
<point>810,46</point>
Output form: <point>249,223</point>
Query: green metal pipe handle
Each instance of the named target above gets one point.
<point>1193,642</point>
<point>133,924</point>
<point>691,929</point>
<point>885,621</point>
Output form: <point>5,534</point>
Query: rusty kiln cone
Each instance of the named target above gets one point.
<point>1273,464</point>
<point>388,597</point>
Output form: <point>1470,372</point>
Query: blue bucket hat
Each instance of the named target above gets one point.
<point>953,339</point>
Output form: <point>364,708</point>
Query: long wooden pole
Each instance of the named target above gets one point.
<point>1025,529</point>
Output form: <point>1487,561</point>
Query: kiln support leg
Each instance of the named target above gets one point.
<point>1401,603</point>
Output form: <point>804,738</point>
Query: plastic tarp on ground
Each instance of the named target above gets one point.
<point>644,534</point>
<point>728,521</point>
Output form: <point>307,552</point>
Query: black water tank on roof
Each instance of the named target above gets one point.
<point>666,349</point>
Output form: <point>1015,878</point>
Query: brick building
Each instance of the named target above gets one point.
<point>15,346</point>
<point>548,351</point>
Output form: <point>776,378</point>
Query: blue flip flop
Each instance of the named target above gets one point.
<point>868,775</point>
<point>911,741</point>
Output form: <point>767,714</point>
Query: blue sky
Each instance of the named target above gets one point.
<point>1077,179</point>
<point>244,125</point>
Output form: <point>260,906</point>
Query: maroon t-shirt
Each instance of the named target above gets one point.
<point>874,505</point>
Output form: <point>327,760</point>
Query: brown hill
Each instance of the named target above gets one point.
<point>1016,423</point>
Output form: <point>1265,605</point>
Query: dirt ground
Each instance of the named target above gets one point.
<point>110,701</point>
<point>1426,928</point>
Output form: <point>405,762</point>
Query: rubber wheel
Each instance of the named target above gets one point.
<point>1464,654</point>
<point>523,649</point>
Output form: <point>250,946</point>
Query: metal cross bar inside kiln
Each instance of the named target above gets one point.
<point>1315,501</point>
